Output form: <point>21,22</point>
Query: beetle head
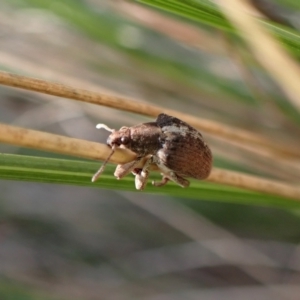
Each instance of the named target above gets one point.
<point>119,138</point>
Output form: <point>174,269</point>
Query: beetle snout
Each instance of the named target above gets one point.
<point>109,140</point>
<point>118,138</point>
<point>113,140</point>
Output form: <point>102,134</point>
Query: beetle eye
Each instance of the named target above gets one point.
<point>124,140</point>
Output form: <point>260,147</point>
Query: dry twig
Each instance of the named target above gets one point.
<point>265,48</point>
<point>81,148</point>
<point>215,128</point>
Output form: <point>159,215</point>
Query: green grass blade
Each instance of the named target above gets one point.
<point>76,172</point>
<point>205,12</point>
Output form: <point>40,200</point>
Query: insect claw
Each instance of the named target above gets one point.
<point>161,183</point>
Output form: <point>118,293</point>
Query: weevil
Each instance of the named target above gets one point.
<point>177,149</point>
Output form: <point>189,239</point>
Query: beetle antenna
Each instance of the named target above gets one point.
<point>99,126</point>
<point>101,169</point>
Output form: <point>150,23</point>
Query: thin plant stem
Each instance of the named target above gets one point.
<point>265,48</point>
<point>254,183</point>
<point>118,102</point>
<point>82,148</point>
<point>61,144</point>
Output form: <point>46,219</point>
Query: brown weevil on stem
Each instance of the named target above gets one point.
<point>177,149</point>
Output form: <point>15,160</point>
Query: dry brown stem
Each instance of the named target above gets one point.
<point>60,144</point>
<point>265,48</point>
<point>81,148</point>
<point>254,183</point>
<point>215,128</point>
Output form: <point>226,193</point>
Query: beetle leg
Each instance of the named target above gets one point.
<point>141,175</point>
<point>178,179</point>
<point>124,169</point>
<point>174,177</point>
<point>141,179</point>
<point>164,181</point>
<point>171,175</point>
